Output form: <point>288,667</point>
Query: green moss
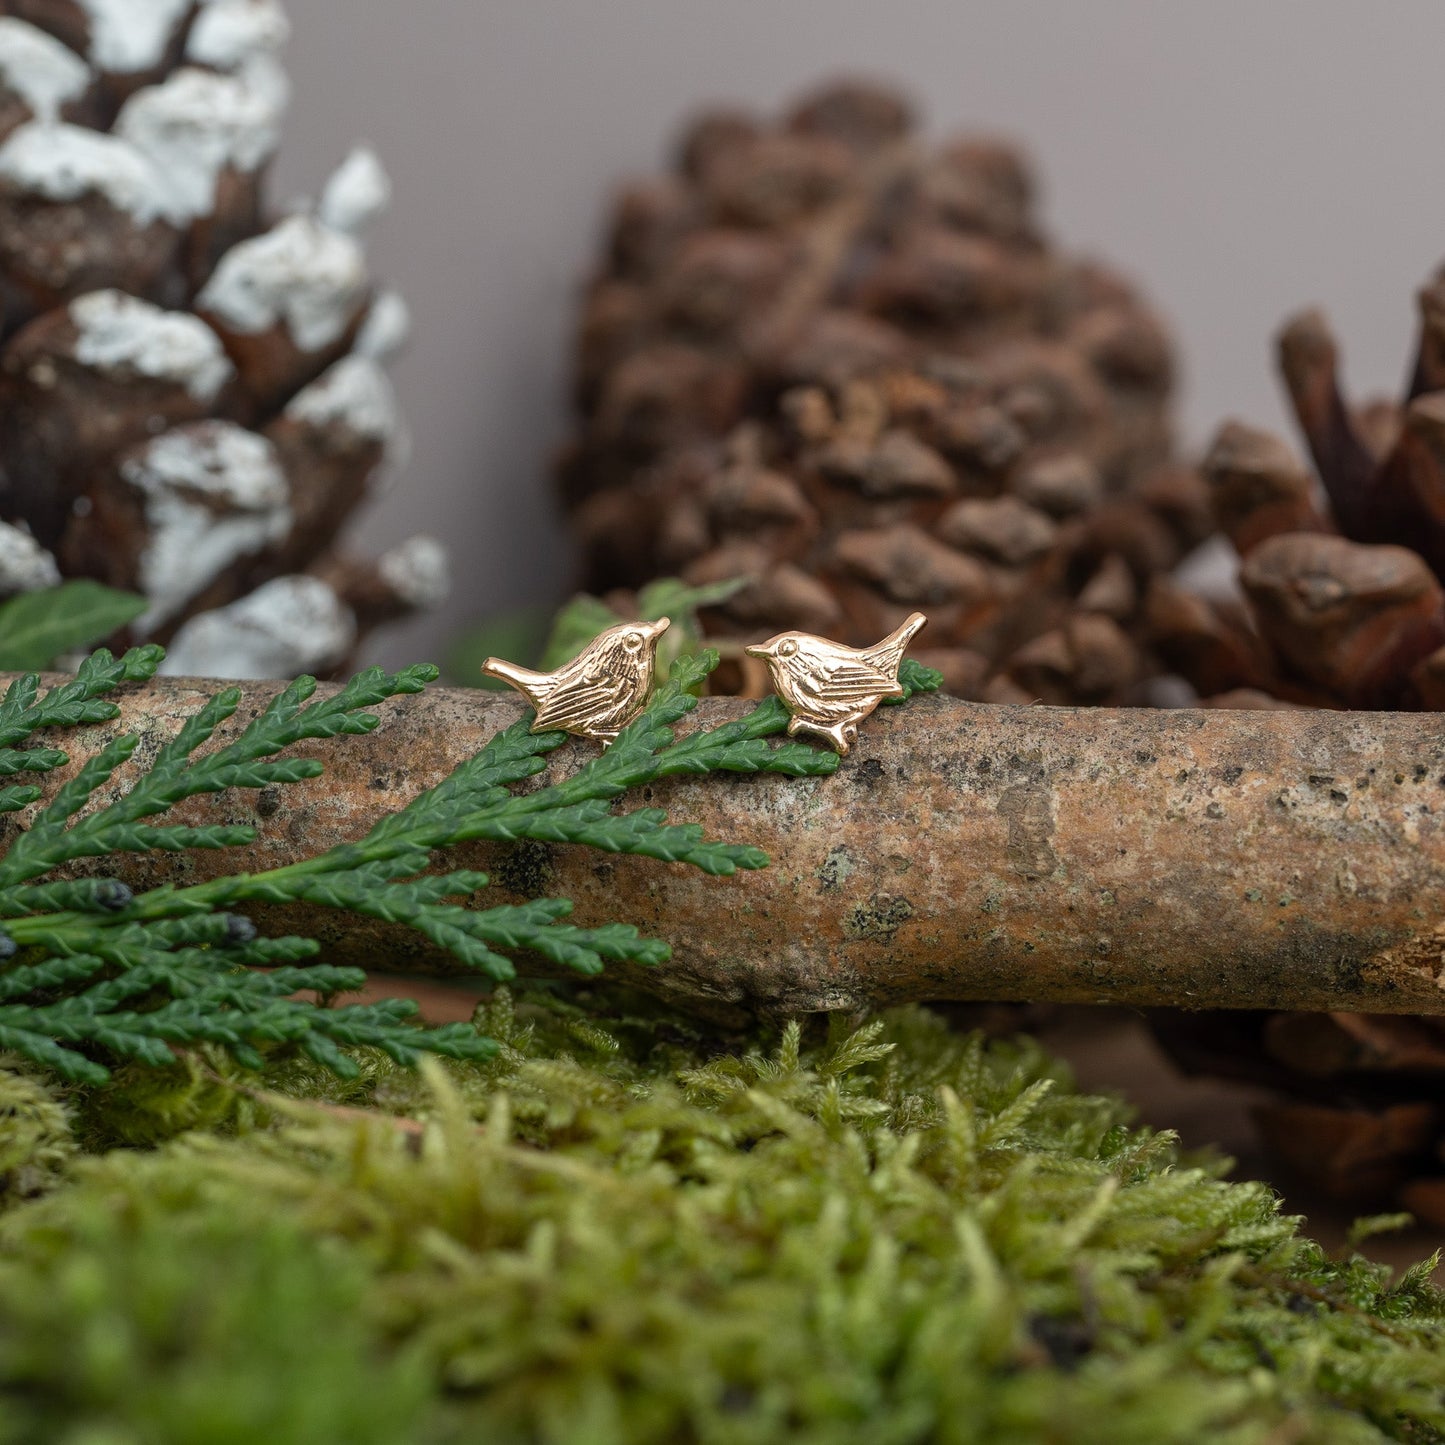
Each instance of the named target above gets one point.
<point>36,1143</point>
<point>629,1232</point>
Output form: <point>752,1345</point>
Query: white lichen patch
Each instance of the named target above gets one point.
<point>417,572</point>
<point>120,333</point>
<point>354,393</point>
<point>40,70</point>
<point>25,566</point>
<point>299,274</point>
<point>66,163</point>
<point>289,625</point>
<point>214,493</point>
<point>197,123</point>
<point>357,192</point>
<point>131,35</point>
<point>227,33</point>
<point>386,328</point>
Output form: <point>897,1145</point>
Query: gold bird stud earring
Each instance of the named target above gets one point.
<point>600,691</point>
<point>830,688</point>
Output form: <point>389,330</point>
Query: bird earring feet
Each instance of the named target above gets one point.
<point>600,691</point>
<point>829,688</point>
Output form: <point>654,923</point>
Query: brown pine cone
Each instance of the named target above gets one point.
<point>826,357</point>
<point>192,399</point>
<point>821,356</point>
<point>1343,607</point>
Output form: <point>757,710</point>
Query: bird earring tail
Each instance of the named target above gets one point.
<point>600,691</point>
<point>829,688</point>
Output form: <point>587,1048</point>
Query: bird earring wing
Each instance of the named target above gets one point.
<point>576,709</point>
<point>845,679</point>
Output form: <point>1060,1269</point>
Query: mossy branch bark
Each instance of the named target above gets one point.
<point>962,851</point>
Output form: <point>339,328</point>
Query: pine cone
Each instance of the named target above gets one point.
<point>824,357</point>
<point>192,399</point>
<point>1341,575</point>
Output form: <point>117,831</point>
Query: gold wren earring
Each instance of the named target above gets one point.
<point>600,691</point>
<point>830,688</point>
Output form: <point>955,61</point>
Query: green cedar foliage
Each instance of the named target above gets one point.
<point>37,627</point>
<point>527,636</point>
<point>621,1231</point>
<point>96,974</point>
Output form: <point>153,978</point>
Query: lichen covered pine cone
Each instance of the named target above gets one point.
<point>846,365</point>
<point>192,393</point>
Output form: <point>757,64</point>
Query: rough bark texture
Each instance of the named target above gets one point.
<point>1212,858</point>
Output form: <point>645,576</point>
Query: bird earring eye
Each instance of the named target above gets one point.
<point>788,648</point>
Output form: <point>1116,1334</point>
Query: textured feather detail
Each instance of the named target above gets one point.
<point>537,686</point>
<point>568,707</point>
<point>850,680</point>
<point>887,655</point>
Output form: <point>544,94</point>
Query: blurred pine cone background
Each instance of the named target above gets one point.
<point>848,366</point>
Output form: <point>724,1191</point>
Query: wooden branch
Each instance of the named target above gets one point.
<point>1290,859</point>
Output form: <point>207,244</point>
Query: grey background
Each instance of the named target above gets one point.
<point>1242,158</point>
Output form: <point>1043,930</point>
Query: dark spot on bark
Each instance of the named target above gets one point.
<point>868,773</point>
<point>379,782</point>
<point>527,868</point>
<point>1145,757</point>
<point>985,765</point>
<point>835,869</point>
<point>1028,810</point>
<point>268,801</point>
<point>1338,797</point>
<point>878,919</point>
<point>603,872</point>
<point>1028,770</point>
<point>1232,774</point>
<point>1320,780</point>
<point>1214,811</point>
